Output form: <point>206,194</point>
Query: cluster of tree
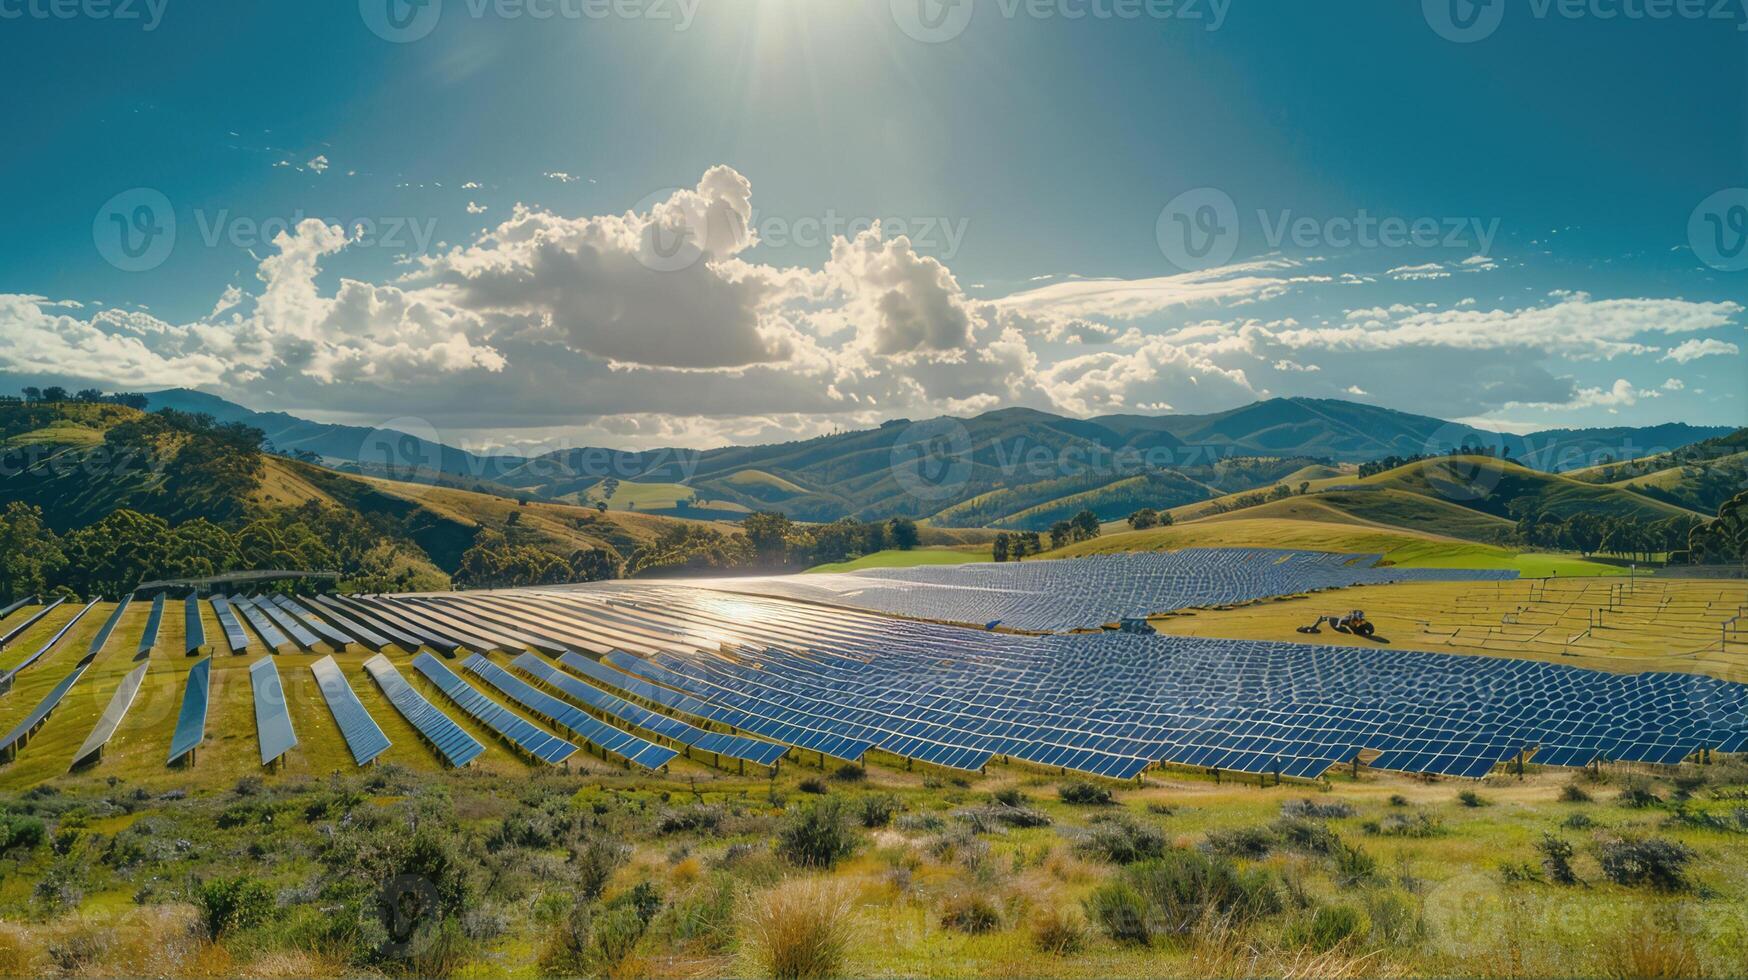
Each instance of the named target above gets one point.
<point>1377,466</point>
<point>1255,498</point>
<point>685,546</point>
<point>33,395</point>
<point>777,540</point>
<point>127,547</point>
<point>496,562</point>
<point>1083,526</point>
<point>1017,545</point>
<point>1723,539</point>
<point>1147,517</point>
<point>1590,533</point>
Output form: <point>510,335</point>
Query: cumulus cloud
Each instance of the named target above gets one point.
<point>1693,350</point>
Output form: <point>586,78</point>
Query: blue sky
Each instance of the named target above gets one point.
<point>1034,173</point>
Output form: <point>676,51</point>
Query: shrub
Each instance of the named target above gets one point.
<point>20,833</point>
<point>1308,809</point>
<point>1353,866</point>
<point>1245,842</point>
<point>1650,951</point>
<point>698,818</point>
<point>970,912</point>
<point>1397,799</point>
<point>1557,860</point>
<point>850,773</point>
<point>592,864</point>
<point>876,810</point>
<point>1416,824</point>
<point>1329,927</point>
<point>1578,821</point>
<point>1123,841</point>
<point>1011,796</point>
<point>1172,894</point>
<point>996,816</point>
<point>704,915</point>
<point>1303,835</point>
<point>1654,861</point>
<point>1058,931</point>
<point>229,904</point>
<point>921,822</point>
<point>799,930</point>
<point>1637,794</point>
<point>1083,793</point>
<point>817,835</point>
<point>1574,793</point>
<point>1470,798</point>
<point>814,785</point>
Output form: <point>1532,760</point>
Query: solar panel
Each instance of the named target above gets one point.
<point>364,626</point>
<point>16,605</point>
<point>287,624</point>
<point>107,723</point>
<point>716,743</point>
<point>29,621</point>
<point>191,720</point>
<point>22,732</point>
<point>7,678</point>
<point>108,627</point>
<point>265,627</point>
<point>315,624</point>
<point>456,746</point>
<point>272,719</point>
<point>363,736</point>
<point>390,619</point>
<point>235,638</point>
<point>516,730</point>
<point>154,622</point>
<point>193,629</point>
<point>606,737</point>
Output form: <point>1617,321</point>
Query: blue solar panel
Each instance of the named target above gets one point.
<point>363,736</point>
<point>119,703</point>
<point>716,743</point>
<point>193,629</point>
<point>154,622</point>
<point>359,623</point>
<point>191,720</point>
<point>16,605</point>
<point>102,637</point>
<point>516,730</point>
<point>22,732</point>
<point>456,746</point>
<point>287,623</point>
<point>272,718</point>
<point>270,634</point>
<point>235,638</point>
<point>565,715</point>
<point>6,679</point>
<point>15,632</point>
<point>315,624</point>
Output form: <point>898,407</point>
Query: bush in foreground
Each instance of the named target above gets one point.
<point>799,930</point>
<point>1174,894</point>
<point>1058,931</point>
<point>229,904</point>
<point>1654,861</point>
<point>816,836</point>
<point>1330,926</point>
<point>1082,793</point>
<point>970,912</point>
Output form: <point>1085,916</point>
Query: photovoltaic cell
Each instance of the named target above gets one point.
<point>235,638</point>
<point>119,703</point>
<point>193,629</point>
<point>191,720</point>
<point>363,736</point>
<point>272,719</point>
<point>514,729</point>
<point>456,746</point>
<point>154,622</point>
<point>606,737</point>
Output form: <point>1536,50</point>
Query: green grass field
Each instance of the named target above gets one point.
<point>894,558</point>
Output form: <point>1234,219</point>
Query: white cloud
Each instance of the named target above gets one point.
<point>562,177</point>
<point>1356,390</point>
<point>473,208</point>
<point>1674,384</point>
<point>1693,350</point>
<point>1431,270</point>
<point>319,164</point>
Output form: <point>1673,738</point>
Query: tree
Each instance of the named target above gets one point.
<point>1031,544</point>
<point>600,506</point>
<point>1144,518</point>
<point>30,553</point>
<point>595,565</point>
<point>54,393</point>
<point>1061,533</point>
<point>32,393</point>
<point>1086,526</point>
<point>1304,487</point>
<point>768,532</point>
<point>904,533</point>
<point>1000,548</point>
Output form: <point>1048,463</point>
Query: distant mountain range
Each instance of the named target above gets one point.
<point>999,465</point>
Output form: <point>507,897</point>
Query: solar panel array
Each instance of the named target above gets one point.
<point>154,622</point>
<point>38,715</point>
<point>235,638</point>
<point>311,624</point>
<point>18,630</point>
<point>287,623</point>
<point>361,732</point>
<point>110,720</point>
<point>269,632</point>
<point>7,679</point>
<point>456,746</point>
<point>638,751</point>
<point>842,681</point>
<point>273,730</point>
<point>514,729</point>
<point>191,719</point>
<point>193,630</point>
<point>1083,593</point>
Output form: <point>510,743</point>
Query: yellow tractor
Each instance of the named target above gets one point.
<point>1354,622</point>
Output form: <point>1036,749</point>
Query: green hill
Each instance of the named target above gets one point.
<point>1491,486</point>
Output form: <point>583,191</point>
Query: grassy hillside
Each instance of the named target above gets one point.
<point>1399,547</point>
<point>1383,508</point>
<point>1490,485</point>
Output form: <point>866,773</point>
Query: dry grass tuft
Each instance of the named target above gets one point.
<point>799,930</point>
<point>1650,952</point>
